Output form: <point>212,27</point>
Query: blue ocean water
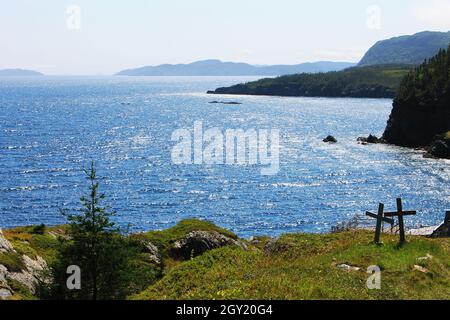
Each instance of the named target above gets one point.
<point>51,127</point>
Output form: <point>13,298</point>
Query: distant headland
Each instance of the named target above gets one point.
<point>19,73</point>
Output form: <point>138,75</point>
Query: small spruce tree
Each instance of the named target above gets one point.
<point>96,247</point>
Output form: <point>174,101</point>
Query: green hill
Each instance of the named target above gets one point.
<point>413,49</point>
<point>371,82</point>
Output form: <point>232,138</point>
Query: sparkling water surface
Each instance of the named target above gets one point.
<point>51,127</point>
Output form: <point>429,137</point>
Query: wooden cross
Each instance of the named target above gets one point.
<point>400,214</point>
<point>380,219</point>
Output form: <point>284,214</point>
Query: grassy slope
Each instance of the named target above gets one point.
<point>27,242</point>
<point>372,81</point>
<point>303,267</point>
<point>31,241</point>
<point>300,266</point>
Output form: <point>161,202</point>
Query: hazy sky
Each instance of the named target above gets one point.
<point>114,34</point>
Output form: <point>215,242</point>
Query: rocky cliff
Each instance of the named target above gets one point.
<point>421,109</point>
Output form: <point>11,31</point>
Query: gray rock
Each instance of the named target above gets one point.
<point>427,257</point>
<point>28,277</point>
<point>370,139</point>
<point>3,274</point>
<point>5,294</point>
<point>153,253</point>
<point>440,149</point>
<point>330,139</point>
<point>32,273</point>
<point>198,242</point>
<point>444,230</point>
<point>255,241</point>
<point>348,268</point>
<point>5,245</point>
<point>271,246</point>
<point>226,102</point>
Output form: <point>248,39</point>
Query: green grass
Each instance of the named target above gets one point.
<point>303,266</point>
<point>297,266</point>
<point>12,261</point>
<point>21,292</point>
<point>34,241</point>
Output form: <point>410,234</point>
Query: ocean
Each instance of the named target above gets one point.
<point>52,127</point>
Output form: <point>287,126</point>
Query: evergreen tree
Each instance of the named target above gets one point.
<point>97,248</point>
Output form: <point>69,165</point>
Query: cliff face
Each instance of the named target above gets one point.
<point>421,109</point>
<point>416,125</point>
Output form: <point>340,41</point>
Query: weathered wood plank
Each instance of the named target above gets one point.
<point>375,216</point>
<point>379,222</point>
<point>403,213</point>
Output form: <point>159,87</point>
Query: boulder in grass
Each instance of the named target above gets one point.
<point>197,243</point>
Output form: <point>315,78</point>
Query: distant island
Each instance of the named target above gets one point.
<point>19,73</point>
<point>219,68</point>
<point>378,75</point>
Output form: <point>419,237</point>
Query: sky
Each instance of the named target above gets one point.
<point>101,37</point>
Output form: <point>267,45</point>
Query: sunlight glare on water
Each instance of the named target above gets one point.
<point>50,128</point>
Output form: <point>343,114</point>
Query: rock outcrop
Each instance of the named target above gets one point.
<point>198,242</point>
<point>5,246</point>
<point>370,139</point>
<point>421,109</point>
<point>154,255</point>
<point>226,102</point>
<point>440,147</point>
<point>444,230</point>
<point>330,139</point>
<point>29,276</point>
